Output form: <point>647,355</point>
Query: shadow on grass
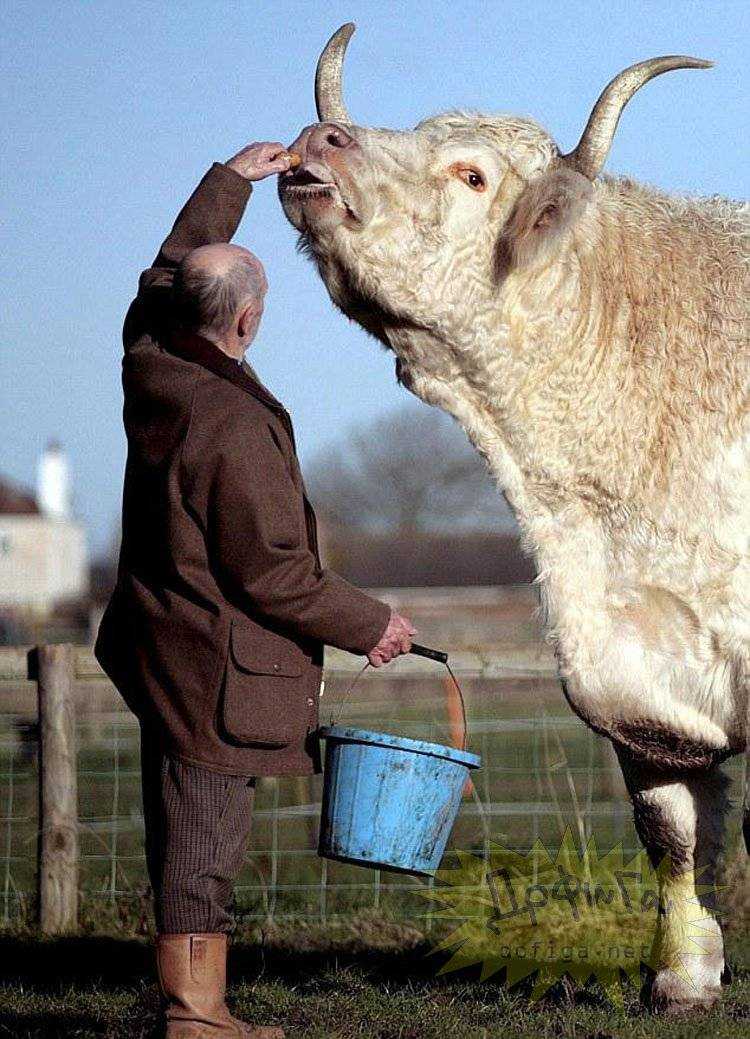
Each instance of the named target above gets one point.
<point>54,963</point>
<point>50,1024</point>
<point>113,963</point>
<point>47,974</point>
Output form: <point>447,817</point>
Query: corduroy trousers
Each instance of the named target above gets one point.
<point>197,827</point>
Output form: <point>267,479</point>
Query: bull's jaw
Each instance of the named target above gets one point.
<point>317,209</point>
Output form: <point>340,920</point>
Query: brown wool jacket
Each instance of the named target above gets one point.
<point>215,630</point>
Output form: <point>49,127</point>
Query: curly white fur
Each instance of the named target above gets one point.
<point>594,342</point>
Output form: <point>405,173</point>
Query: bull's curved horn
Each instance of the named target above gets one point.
<point>328,97</point>
<point>590,154</point>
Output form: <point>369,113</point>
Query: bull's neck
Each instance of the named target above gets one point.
<point>544,394</point>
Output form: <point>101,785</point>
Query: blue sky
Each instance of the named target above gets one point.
<point>113,110</point>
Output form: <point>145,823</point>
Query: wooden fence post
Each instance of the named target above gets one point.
<point>57,878</point>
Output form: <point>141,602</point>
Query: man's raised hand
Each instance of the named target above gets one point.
<point>260,160</point>
<point>395,640</point>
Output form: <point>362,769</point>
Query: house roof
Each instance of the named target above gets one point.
<point>15,500</point>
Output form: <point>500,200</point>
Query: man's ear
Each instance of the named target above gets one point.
<point>547,208</point>
<point>247,319</point>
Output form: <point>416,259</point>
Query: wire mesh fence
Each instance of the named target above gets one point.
<point>543,772</point>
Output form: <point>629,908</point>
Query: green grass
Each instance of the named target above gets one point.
<point>363,979</point>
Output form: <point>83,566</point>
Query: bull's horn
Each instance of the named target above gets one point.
<point>328,97</point>
<point>591,152</point>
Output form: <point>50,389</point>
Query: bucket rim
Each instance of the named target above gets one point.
<point>348,734</point>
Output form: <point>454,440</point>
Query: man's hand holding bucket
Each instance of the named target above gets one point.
<point>395,640</point>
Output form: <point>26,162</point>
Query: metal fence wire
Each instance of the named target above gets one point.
<point>543,771</point>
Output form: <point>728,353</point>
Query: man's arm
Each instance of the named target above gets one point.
<point>211,214</point>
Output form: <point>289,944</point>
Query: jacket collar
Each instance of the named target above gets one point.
<point>199,350</point>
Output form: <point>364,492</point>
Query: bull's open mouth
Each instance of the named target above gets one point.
<point>311,182</point>
<point>306,182</point>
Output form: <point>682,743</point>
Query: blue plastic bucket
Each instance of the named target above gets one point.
<point>389,802</point>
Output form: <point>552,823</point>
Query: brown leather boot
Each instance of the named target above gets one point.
<point>192,972</point>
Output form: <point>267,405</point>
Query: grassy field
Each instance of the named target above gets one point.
<point>363,979</point>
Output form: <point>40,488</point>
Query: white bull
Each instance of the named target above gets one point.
<point>591,336</point>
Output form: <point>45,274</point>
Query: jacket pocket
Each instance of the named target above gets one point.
<point>262,701</point>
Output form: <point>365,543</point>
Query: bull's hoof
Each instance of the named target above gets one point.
<point>671,995</point>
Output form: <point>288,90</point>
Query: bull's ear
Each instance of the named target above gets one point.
<point>546,209</point>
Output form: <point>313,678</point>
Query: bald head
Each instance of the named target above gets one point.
<point>214,286</point>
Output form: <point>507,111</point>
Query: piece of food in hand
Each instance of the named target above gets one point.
<point>294,160</point>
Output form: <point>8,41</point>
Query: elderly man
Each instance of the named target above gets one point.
<point>214,634</point>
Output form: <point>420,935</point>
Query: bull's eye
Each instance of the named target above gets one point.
<point>469,175</point>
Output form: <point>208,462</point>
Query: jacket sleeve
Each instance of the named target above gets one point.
<point>254,526</point>
<point>211,214</point>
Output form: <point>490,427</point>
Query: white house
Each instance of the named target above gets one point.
<point>43,554</point>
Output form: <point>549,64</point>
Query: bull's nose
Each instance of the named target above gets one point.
<point>325,136</point>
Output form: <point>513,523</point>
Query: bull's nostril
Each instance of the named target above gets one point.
<point>328,135</point>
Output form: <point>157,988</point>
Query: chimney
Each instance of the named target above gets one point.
<point>53,482</point>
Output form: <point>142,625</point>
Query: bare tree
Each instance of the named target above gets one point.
<point>407,472</point>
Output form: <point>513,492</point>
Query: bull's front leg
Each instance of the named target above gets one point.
<point>681,815</point>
